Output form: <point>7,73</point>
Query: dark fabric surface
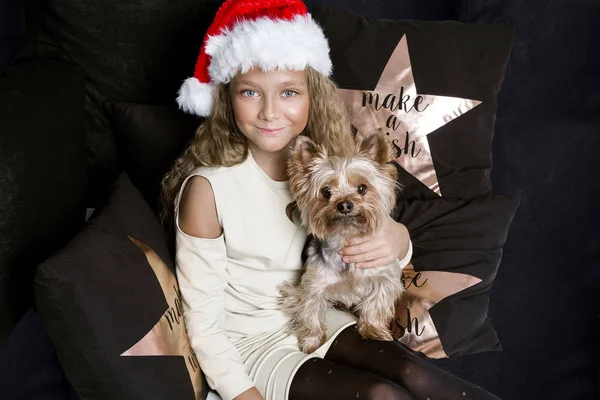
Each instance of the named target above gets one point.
<point>544,303</point>
<point>149,138</point>
<point>12,29</point>
<point>432,10</point>
<point>99,296</point>
<point>135,51</point>
<point>42,183</point>
<point>29,367</point>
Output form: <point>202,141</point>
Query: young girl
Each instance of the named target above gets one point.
<point>261,80</point>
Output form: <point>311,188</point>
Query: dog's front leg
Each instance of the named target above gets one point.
<point>310,320</point>
<point>375,313</point>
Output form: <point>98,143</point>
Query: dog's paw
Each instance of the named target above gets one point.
<point>311,343</point>
<point>369,331</point>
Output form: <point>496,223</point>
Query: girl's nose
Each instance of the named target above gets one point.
<point>270,109</point>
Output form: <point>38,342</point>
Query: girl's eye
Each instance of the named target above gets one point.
<point>362,189</point>
<point>250,93</point>
<point>289,93</point>
<point>326,192</point>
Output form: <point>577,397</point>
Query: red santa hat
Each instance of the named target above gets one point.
<point>268,34</point>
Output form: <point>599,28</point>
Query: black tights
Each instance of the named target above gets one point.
<point>356,368</point>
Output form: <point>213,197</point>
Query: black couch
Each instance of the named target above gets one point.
<point>545,147</point>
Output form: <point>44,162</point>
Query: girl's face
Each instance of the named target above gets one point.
<point>270,108</point>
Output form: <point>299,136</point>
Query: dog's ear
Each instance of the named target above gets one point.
<point>303,152</point>
<point>374,146</point>
<point>299,167</point>
<point>305,149</point>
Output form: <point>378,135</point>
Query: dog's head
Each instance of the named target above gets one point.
<point>339,196</point>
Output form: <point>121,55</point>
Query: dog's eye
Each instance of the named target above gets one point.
<point>362,189</point>
<point>326,192</point>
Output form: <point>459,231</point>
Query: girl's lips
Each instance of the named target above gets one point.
<point>270,132</point>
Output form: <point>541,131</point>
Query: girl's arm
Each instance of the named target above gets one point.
<point>201,261</point>
<point>250,394</point>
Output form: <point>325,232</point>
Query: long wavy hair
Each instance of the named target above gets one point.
<point>218,141</point>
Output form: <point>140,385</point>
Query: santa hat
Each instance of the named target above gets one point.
<point>268,34</point>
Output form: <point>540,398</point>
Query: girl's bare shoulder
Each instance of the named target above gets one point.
<point>198,211</point>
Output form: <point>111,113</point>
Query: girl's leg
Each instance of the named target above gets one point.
<point>319,379</point>
<point>395,362</point>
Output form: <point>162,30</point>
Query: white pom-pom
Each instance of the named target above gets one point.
<point>195,97</point>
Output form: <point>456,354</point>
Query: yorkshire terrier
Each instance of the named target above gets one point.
<point>340,198</point>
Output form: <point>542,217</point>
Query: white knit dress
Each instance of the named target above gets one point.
<point>229,285</point>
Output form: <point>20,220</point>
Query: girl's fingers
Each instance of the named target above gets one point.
<point>363,247</point>
<point>374,263</point>
<point>368,256</point>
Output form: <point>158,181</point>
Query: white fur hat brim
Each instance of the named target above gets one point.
<point>268,44</point>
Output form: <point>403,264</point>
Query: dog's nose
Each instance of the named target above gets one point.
<point>345,207</point>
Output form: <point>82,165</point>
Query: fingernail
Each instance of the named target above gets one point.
<point>346,259</point>
<point>340,252</point>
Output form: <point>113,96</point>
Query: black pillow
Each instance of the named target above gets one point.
<point>111,305</point>
<point>457,250</point>
<point>447,151</point>
<point>149,139</point>
<point>42,178</point>
<point>130,50</point>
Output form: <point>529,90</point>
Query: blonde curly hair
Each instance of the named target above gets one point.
<point>218,141</point>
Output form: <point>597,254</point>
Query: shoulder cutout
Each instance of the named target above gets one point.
<point>198,211</point>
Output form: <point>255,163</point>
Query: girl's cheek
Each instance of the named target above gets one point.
<point>300,108</point>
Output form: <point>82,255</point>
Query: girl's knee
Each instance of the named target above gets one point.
<point>385,390</point>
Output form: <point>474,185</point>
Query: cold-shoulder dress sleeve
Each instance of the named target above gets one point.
<point>201,265</point>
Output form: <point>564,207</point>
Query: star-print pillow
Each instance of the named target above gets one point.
<point>431,87</point>
<point>457,250</point>
<point>112,306</point>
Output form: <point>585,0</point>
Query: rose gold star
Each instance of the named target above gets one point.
<point>413,325</point>
<point>406,116</point>
<point>168,337</point>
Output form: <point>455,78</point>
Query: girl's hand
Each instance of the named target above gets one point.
<point>388,244</point>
